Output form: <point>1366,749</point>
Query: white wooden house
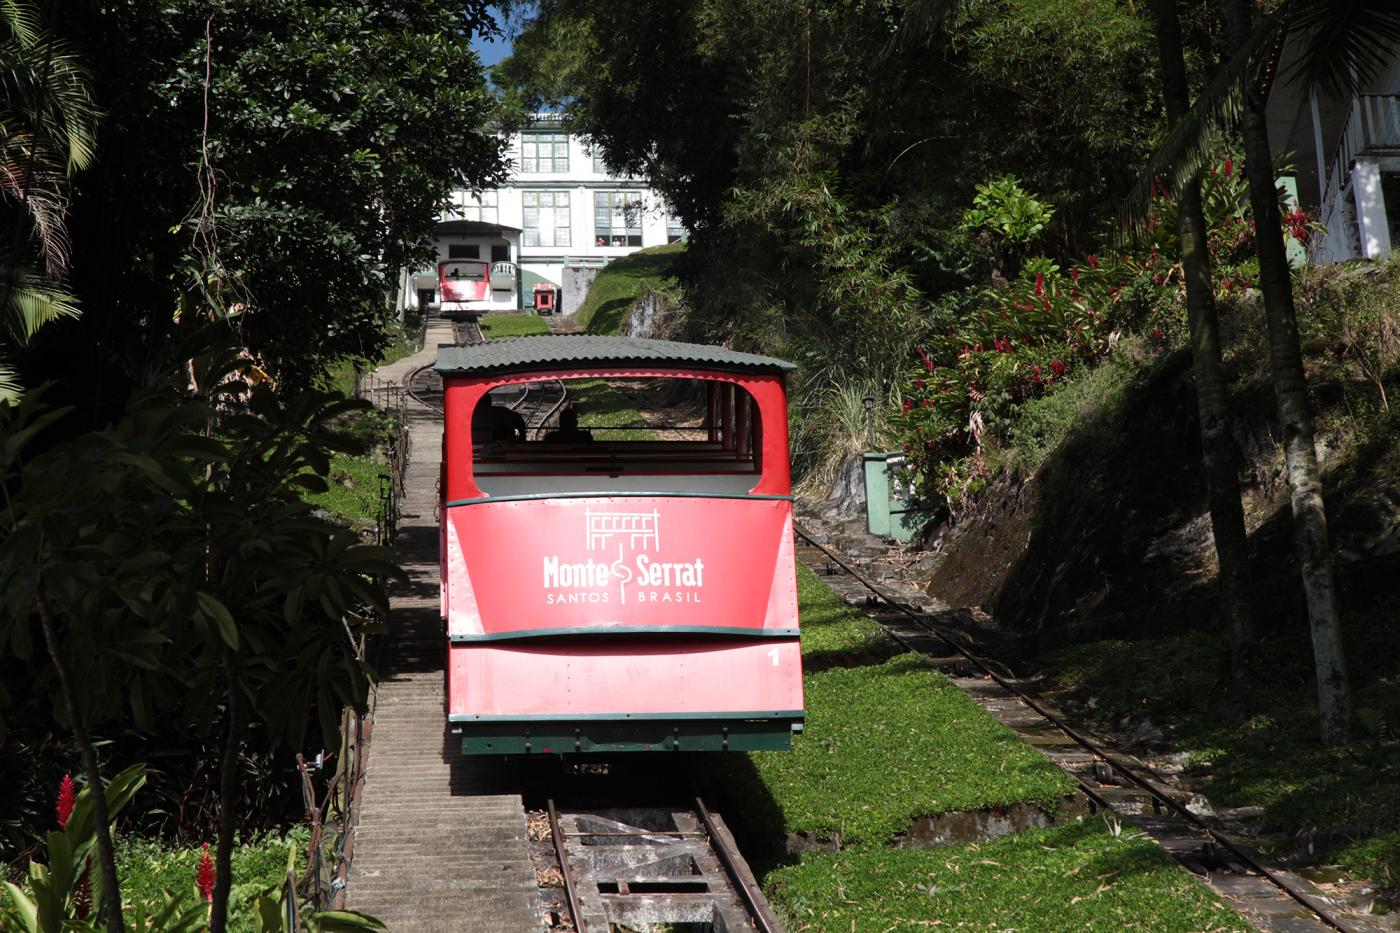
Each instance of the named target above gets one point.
<point>560,216</point>
<point>1345,154</point>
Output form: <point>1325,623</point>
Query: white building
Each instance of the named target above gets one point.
<point>559,218</point>
<point>1346,159</point>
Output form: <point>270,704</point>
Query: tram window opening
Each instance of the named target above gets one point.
<point>618,435</point>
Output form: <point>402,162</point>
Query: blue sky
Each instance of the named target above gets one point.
<point>491,52</point>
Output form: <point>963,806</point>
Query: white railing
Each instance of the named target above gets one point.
<point>1372,124</point>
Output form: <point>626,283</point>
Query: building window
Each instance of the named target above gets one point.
<point>675,230</point>
<point>463,251</point>
<point>544,152</point>
<point>500,252</point>
<point>546,218</point>
<point>480,206</point>
<point>617,218</point>
<point>598,164</point>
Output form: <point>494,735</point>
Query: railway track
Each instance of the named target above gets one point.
<point>536,403</point>
<point>604,869</point>
<point>1111,782</point>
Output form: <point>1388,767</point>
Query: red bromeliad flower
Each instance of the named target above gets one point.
<point>1040,283</point>
<point>1229,167</point>
<point>204,875</point>
<point>928,363</point>
<point>1093,261</point>
<point>1157,334</point>
<point>908,406</point>
<point>67,796</point>
<point>1057,367</point>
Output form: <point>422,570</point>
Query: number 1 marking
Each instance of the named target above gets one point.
<point>773,653</point>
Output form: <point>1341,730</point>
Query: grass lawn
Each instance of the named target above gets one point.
<point>341,377</point>
<point>1067,879</point>
<point>889,739</point>
<point>148,869</point>
<point>354,478</point>
<point>496,326</point>
<point>623,281</point>
<point>833,633</point>
<point>887,743</point>
<point>884,743</point>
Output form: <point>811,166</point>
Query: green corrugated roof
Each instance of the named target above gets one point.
<point>523,354</point>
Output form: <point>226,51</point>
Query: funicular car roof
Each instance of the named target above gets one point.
<point>565,351</point>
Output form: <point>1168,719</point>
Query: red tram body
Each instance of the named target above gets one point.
<point>619,595</point>
<point>464,285</point>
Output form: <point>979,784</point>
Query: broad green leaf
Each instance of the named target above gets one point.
<point>216,610</point>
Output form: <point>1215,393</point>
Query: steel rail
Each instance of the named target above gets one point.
<point>408,387</point>
<point>730,858</point>
<point>921,619</point>
<point>570,890</point>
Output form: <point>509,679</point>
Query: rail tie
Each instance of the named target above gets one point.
<point>645,866</point>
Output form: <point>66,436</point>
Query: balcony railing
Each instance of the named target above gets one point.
<point>1372,128</point>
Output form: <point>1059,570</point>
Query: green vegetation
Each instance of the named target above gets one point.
<point>149,868</point>
<point>601,406</point>
<point>341,376</point>
<point>621,282</point>
<point>1377,858</point>
<point>885,742</point>
<point>1080,878</point>
<point>890,742</point>
<point>513,325</point>
<point>1258,746</point>
<point>832,631</point>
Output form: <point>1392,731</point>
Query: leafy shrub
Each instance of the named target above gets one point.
<point>997,347</point>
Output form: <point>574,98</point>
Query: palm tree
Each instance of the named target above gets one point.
<point>46,134</point>
<point>1347,41</point>
<point>1218,452</point>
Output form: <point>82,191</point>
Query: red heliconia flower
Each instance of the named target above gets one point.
<point>67,796</point>
<point>1040,283</point>
<point>1093,261</point>
<point>1057,367</point>
<point>1229,167</point>
<point>204,875</point>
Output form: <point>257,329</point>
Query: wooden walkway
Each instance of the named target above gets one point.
<point>441,844</point>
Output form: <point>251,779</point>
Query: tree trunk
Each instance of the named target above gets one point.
<point>106,854</point>
<point>1219,457</point>
<point>1294,408</point>
<point>228,797</point>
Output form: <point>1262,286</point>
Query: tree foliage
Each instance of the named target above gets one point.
<point>46,134</point>
<point>275,160</point>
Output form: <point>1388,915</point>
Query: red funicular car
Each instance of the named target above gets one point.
<point>615,589</point>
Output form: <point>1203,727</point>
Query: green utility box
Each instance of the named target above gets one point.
<point>890,508</point>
